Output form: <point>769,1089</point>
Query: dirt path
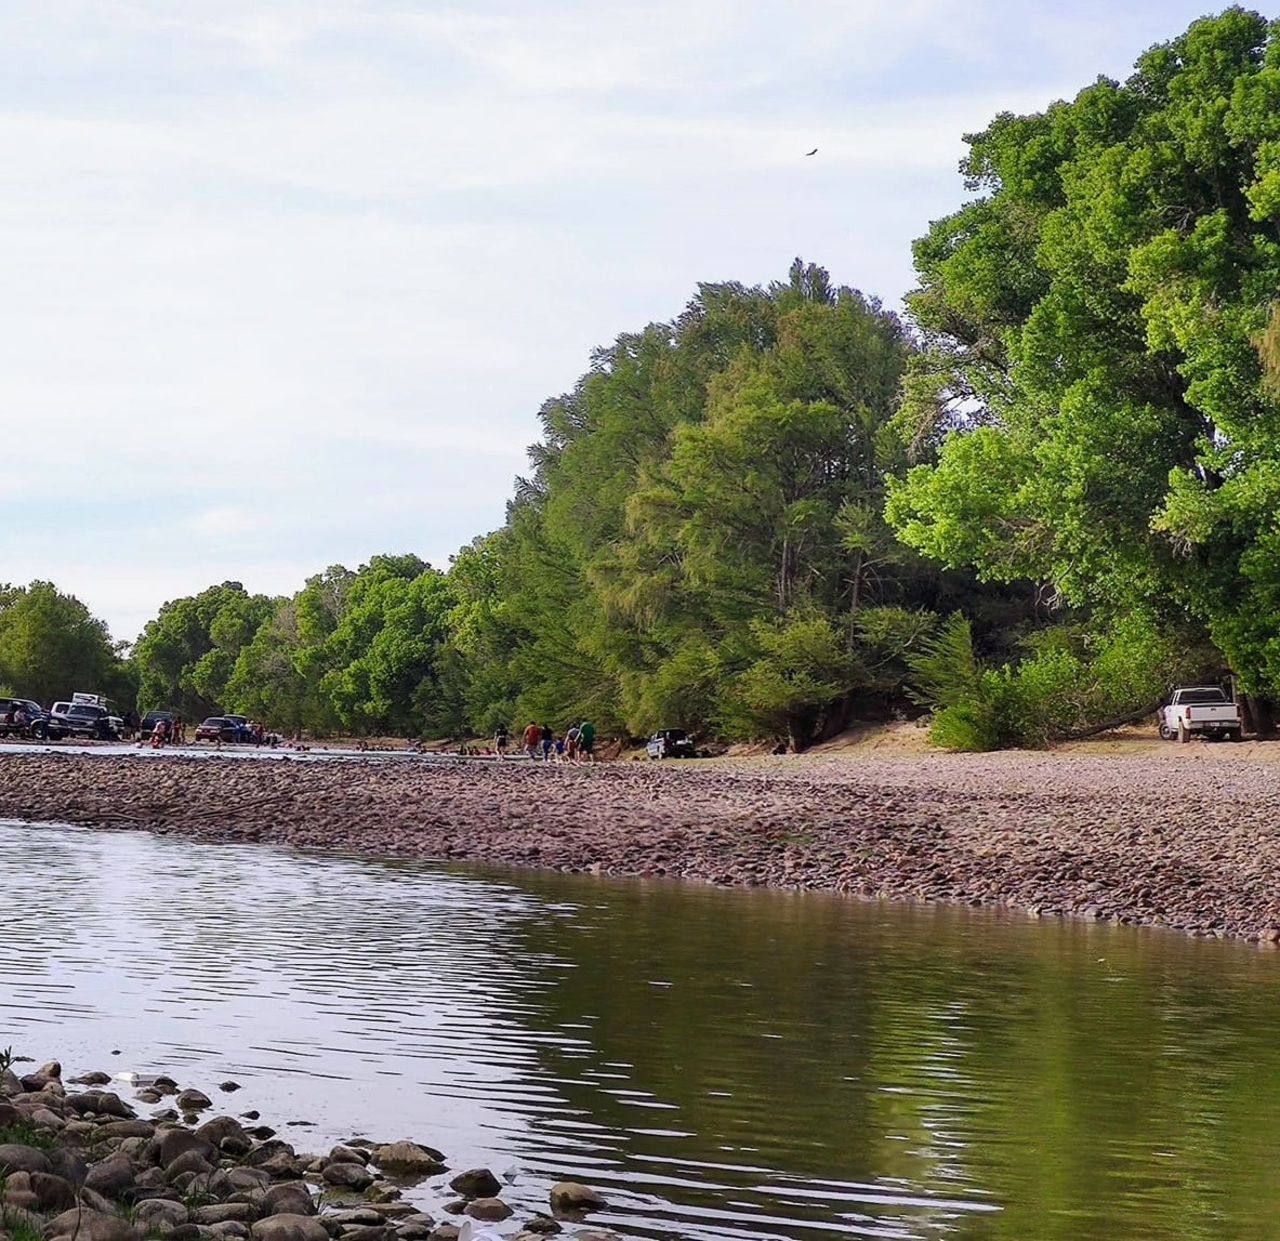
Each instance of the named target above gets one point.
<point>1185,837</point>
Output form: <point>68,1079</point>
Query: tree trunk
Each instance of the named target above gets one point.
<point>1264,716</point>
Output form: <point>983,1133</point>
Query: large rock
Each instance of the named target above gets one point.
<point>289,1228</point>
<point>289,1198</point>
<point>112,1176</point>
<point>87,1225</point>
<point>110,1104</point>
<point>491,1210</point>
<point>10,1083</point>
<point>476,1183</point>
<point>221,1212</point>
<point>229,1229</point>
<point>408,1159</point>
<point>248,1178</point>
<point>175,1142</point>
<point>570,1196</point>
<point>225,1128</point>
<point>348,1175</point>
<point>160,1215</point>
<point>188,1161</point>
<point>348,1154</point>
<point>16,1157</point>
<point>66,1163</point>
<point>52,1192</point>
<point>121,1130</point>
<point>193,1101</point>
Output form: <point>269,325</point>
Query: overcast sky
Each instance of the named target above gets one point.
<point>284,284</point>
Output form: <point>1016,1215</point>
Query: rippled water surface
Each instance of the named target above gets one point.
<point>721,1064</point>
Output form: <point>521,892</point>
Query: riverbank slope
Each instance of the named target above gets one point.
<point>1186,838</point>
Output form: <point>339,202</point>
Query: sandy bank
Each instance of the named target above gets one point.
<point>1184,838</point>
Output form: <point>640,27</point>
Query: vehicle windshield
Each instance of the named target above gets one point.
<point>1202,696</point>
<point>214,721</point>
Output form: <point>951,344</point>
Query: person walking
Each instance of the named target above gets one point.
<point>587,741</point>
<point>532,740</point>
<point>501,739</point>
<point>548,741</point>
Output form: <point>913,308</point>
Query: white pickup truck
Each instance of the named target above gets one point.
<point>1203,710</point>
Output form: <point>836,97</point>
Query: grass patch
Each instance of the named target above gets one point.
<point>24,1133</point>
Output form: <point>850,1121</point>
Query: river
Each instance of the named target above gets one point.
<point>721,1064</point>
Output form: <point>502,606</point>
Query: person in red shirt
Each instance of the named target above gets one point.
<point>533,741</point>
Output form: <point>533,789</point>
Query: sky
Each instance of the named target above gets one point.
<point>284,284</point>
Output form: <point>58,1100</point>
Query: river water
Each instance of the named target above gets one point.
<point>721,1064</point>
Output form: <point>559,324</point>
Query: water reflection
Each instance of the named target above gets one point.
<point>721,1064</point>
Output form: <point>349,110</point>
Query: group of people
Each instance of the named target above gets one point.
<point>165,731</point>
<point>539,741</point>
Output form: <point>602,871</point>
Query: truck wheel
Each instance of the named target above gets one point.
<point>1183,734</point>
<point>1166,733</point>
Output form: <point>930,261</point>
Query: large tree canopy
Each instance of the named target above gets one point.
<point>1090,401</point>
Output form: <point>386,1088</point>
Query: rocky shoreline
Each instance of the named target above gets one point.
<point>1183,839</point>
<point>78,1164</point>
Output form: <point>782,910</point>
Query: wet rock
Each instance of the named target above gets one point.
<point>165,1085</point>
<point>476,1183</point>
<point>382,1194</point>
<point>96,1078</point>
<point>228,1087</point>
<point>348,1154</point>
<point>408,1159</point>
<point>570,1196</point>
<point>445,1232</point>
<point>16,1157</point>
<point>193,1101</point>
<point>368,1232</point>
<point>111,1104</point>
<point>491,1210</point>
<point>52,1069</point>
<point>348,1175</point>
<point>355,1216</point>
<point>248,1178</point>
<point>289,1228</point>
<point>543,1224</point>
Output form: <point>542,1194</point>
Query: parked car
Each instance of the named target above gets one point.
<point>82,719</point>
<point>36,724</point>
<point>671,743</point>
<point>150,720</point>
<point>241,723</point>
<point>217,728</point>
<point>1200,710</point>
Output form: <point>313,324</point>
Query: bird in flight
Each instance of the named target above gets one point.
<point>813,152</point>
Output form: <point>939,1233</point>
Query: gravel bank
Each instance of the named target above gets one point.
<point>1186,838</point>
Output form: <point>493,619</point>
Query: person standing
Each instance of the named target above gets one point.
<point>571,744</point>
<point>532,740</point>
<point>587,741</point>
<point>548,740</point>
<point>501,740</point>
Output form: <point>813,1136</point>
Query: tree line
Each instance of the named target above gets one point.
<point>1028,505</point>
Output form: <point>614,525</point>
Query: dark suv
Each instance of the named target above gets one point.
<point>37,724</point>
<point>150,720</point>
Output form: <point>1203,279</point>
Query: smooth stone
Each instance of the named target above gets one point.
<point>111,1104</point>
<point>229,1228</point>
<point>289,1228</point>
<point>356,1215</point>
<point>491,1210</point>
<point>67,1163</point>
<point>288,1198</point>
<point>543,1224</point>
<point>160,1214</point>
<point>248,1178</point>
<point>91,1225</point>
<point>47,1118</point>
<point>221,1212</point>
<point>348,1154</point>
<point>188,1161</point>
<point>367,1232</point>
<point>573,1196</point>
<point>399,1158</point>
<point>96,1078</point>
<point>53,1193</point>
<point>348,1175</point>
<point>220,1128</point>
<point>193,1101</point>
<point>476,1183</point>
<point>445,1232</point>
<point>18,1157</point>
<point>112,1176</point>
<point>175,1142</point>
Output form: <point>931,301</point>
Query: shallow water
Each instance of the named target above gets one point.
<point>721,1064</point>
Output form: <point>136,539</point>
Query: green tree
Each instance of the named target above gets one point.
<point>1089,381</point>
<point>50,645</point>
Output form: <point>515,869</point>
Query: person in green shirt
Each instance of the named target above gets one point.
<point>587,740</point>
